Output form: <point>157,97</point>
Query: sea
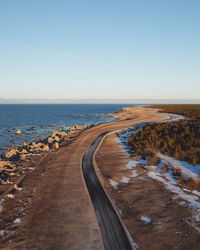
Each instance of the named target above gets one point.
<point>37,121</point>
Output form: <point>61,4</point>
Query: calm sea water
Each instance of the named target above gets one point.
<point>34,119</point>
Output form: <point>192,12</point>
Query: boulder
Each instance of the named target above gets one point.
<point>5,163</point>
<point>45,148</point>
<point>56,138</point>
<point>61,134</point>
<point>55,132</point>
<point>50,140</point>
<point>13,154</point>
<point>18,132</point>
<point>24,151</point>
<point>55,145</point>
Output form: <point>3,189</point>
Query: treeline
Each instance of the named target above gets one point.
<point>191,111</point>
<point>180,140</point>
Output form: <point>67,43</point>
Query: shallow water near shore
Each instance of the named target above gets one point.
<point>35,120</point>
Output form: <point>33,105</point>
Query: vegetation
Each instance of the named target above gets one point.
<point>180,140</point>
<point>191,111</point>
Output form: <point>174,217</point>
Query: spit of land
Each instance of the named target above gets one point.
<point>50,208</point>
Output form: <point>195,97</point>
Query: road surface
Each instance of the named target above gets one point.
<point>113,234</point>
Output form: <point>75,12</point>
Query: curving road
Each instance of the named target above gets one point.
<point>113,234</point>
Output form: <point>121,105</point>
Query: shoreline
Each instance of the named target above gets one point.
<point>47,172</point>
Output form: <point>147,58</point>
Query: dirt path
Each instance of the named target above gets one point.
<point>57,210</point>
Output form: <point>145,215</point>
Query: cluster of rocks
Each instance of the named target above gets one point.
<point>9,164</point>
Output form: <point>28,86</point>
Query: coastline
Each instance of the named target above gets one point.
<point>51,171</point>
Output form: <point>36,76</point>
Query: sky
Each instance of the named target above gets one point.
<point>100,50</point>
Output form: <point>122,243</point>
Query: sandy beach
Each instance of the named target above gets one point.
<point>50,208</point>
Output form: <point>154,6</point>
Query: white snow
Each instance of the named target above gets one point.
<point>182,203</point>
<point>174,118</point>
<point>145,219</point>
<point>17,220</point>
<point>134,173</point>
<point>187,169</point>
<point>113,183</point>
<point>143,179</point>
<point>196,192</point>
<point>192,200</point>
<point>131,164</point>
<point>125,180</point>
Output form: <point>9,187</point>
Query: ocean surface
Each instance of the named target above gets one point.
<point>35,120</point>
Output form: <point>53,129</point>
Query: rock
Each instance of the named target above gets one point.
<point>73,127</point>
<point>55,132</point>
<point>45,148</point>
<point>18,132</point>
<point>3,148</point>
<point>36,147</point>
<point>53,138</point>
<point>10,196</point>
<point>50,140</point>
<point>56,145</point>
<point>13,153</point>
<point>5,163</point>
<point>24,151</point>
<point>25,144</point>
<point>61,134</point>
<point>56,138</point>
<point>17,188</point>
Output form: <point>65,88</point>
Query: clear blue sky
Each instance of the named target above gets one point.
<point>100,49</point>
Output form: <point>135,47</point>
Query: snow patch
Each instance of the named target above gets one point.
<point>187,169</point>
<point>113,183</point>
<point>143,179</point>
<point>125,180</point>
<point>183,204</point>
<point>193,200</point>
<point>145,219</point>
<point>131,164</point>
<point>1,233</point>
<point>134,173</point>
<point>17,220</point>
<point>196,192</point>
